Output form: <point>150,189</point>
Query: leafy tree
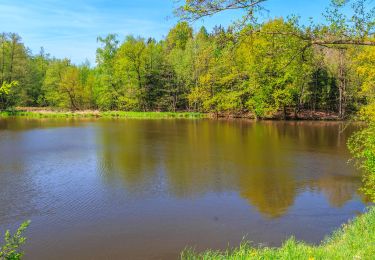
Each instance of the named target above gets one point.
<point>51,83</point>
<point>5,91</point>
<point>106,88</point>
<point>153,90</point>
<point>362,143</point>
<point>71,90</point>
<point>13,64</point>
<point>130,72</point>
<point>278,68</point>
<point>179,60</point>
<point>32,93</point>
<point>179,35</point>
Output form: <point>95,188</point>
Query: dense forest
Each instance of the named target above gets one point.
<point>259,69</point>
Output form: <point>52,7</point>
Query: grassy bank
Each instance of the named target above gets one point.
<point>52,113</point>
<point>355,240</point>
<point>97,114</point>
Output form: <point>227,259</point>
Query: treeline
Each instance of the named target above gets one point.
<point>253,70</point>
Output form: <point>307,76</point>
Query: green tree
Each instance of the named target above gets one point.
<point>362,143</point>
<point>153,90</point>
<point>278,68</point>
<point>51,83</point>
<point>106,88</point>
<point>32,93</point>
<point>13,64</point>
<point>5,91</point>
<point>71,90</point>
<point>179,35</point>
<point>130,72</point>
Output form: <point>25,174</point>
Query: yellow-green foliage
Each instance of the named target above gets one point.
<point>11,248</point>
<point>5,91</point>
<point>362,143</point>
<point>355,240</point>
<point>5,88</point>
<point>362,146</point>
<point>365,64</point>
<point>366,70</point>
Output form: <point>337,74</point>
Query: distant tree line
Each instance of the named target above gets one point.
<point>278,66</point>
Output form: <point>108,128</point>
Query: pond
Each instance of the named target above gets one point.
<point>146,189</point>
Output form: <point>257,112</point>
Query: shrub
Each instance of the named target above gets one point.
<point>11,249</point>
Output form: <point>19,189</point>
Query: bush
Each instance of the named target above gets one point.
<point>362,146</point>
<point>11,249</point>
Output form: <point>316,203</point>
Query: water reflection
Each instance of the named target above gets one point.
<point>267,163</point>
<point>97,189</point>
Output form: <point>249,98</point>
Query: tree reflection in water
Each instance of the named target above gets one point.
<point>266,163</point>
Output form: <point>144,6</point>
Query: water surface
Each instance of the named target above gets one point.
<point>146,189</point>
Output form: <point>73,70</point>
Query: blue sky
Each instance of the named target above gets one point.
<point>70,28</point>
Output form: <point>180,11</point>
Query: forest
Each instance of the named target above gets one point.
<point>262,69</point>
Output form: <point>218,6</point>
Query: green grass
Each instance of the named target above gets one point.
<point>150,115</point>
<point>109,114</point>
<point>355,240</point>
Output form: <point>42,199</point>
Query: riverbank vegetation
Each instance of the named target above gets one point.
<point>276,68</point>
<point>100,114</point>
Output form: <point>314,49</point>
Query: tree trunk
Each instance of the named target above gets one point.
<point>3,40</point>
<point>13,49</point>
<point>342,86</point>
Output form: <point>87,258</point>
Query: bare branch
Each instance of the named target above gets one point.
<point>194,10</point>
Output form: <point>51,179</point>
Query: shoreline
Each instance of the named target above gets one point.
<point>34,112</point>
<point>102,114</point>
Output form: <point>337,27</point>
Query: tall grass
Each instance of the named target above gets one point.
<point>355,240</point>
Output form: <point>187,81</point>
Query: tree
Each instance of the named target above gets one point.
<point>278,68</point>
<point>88,79</point>
<point>343,29</point>
<point>179,35</point>
<point>201,52</point>
<point>153,93</point>
<point>362,143</point>
<point>32,93</point>
<point>5,91</point>
<point>71,90</point>
<point>106,88</point>
<point>130,70</point>
<point>52,80</point>
<point>193,10</point>
<point>179,64</point>
<point>13,65</point>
